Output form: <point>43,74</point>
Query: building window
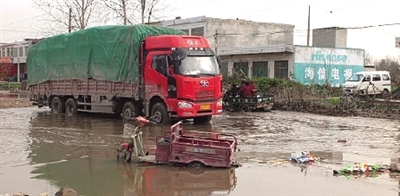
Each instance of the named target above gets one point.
<point>260,69</point>
<point>198,31</point>
<point>15,52</point>
<point>2,52</point>
<point>26,50</point>
<point>8,52</point>
<point>281,69</point>
<point>186,31</point>
<point>241,68</point>
<point>21,51</point>
<point>11,52</point>
<point>224,68</point>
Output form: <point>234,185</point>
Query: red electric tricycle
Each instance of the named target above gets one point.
<point>178,148</point>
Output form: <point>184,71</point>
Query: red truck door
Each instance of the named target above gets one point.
<point>156,75</point>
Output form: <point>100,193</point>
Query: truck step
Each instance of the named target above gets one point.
<point>83,110</point>
<point>100,104</point>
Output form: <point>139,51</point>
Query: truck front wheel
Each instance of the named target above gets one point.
<point>57,106</point>
<point>160,114</point>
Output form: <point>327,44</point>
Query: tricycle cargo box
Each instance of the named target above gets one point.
<point>103,53</point>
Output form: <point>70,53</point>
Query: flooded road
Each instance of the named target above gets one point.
<point>41,152</point>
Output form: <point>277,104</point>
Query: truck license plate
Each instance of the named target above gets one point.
<point>204,107</point>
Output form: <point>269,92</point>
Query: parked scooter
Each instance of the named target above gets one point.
<point>135,145</point>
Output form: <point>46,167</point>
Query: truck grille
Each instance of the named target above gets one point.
<point>204,95</point>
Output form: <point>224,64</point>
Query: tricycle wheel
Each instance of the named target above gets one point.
<point>127,156</point>
<point>195,165</point>
<point>120,154</point>
<point>196,168</point>
<point>245,108</point>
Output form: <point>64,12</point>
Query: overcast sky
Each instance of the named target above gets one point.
<point>19,18</point>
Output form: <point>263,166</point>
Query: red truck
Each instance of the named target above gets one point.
<point>129,70</point>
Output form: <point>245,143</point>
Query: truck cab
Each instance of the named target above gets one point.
<point>180,78</point>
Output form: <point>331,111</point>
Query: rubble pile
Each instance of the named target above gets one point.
<point>6,102</point>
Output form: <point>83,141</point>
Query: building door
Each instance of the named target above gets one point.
<point>281,69</point>
<point>241,67</point>
<point>260,69</point>
<point>224,69</point>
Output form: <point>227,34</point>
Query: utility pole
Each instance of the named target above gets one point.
<point>70,20</point>
<point>216,43</point>
<point>308,30</point>
<point>18,70</point>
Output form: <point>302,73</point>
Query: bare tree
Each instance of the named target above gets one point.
<point>368,59</point>
<point>392,65</point>
<point>149,9</point>
<point>70,14</point>
<point>124,9</point>
<point>132,11</point>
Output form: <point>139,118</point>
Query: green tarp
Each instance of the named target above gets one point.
<point>104,53</point>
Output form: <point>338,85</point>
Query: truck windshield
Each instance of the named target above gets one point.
<point>355,78</point>
<point>199,65</point>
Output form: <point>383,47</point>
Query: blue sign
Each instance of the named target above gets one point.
<point>331,66</point>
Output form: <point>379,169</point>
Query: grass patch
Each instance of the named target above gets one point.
<point>334,100</point>
<point>9,85</point>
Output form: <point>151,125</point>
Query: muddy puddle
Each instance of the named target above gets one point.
<point>41,152</point>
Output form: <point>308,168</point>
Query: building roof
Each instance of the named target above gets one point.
<point>25,41</point>
<point>330,28</point>
<point>199,19</point>
<point>278,48</point>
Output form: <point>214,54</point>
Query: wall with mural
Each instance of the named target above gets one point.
<point>314,65</point>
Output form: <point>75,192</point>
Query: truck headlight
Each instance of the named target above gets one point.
<point>219,103</point>
<point>182,104</point>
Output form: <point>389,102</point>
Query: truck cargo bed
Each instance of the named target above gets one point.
<point>85,87</point>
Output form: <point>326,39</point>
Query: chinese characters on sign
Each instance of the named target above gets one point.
<point>322,74</point>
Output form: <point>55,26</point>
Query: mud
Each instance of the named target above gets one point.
<point>347,107</point>
<point>14,100</point>
<point>46,152</point>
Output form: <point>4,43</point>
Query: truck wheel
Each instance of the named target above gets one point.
<point>202,119</point>
<point>129,111</point>
<point>160,114</point>
<point>71,108</point>
<point>57,106</point>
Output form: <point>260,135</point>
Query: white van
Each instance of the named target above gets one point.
<point>368,82</point>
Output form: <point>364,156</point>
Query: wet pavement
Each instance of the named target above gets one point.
<point>41,152</point>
